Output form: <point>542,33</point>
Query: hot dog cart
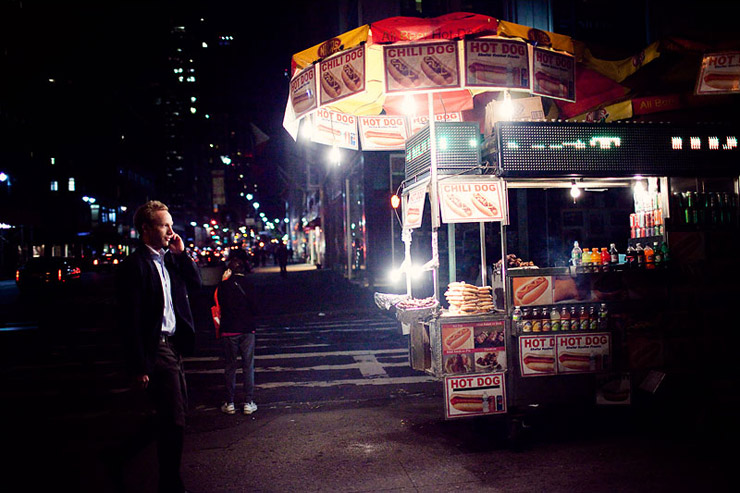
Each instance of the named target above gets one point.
<point>574,329</point>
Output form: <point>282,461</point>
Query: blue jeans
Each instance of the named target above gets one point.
<point>235,346</point>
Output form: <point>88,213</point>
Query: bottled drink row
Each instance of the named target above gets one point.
<point>560,318</point>
<point>602,260</point>
<point>705,208</point>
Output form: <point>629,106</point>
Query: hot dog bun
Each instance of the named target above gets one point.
<point>530,291</point>
<point>436,71</point>
<point>482,204</point>
<point>402,73</point>
<point>486,72</point>
<point>457,206</point>
<point>722,80</point>
<point>351,78</point>
<point>539,363</point>
<point>457,338</point>
<point>330,84</point>
<point>551,85</point>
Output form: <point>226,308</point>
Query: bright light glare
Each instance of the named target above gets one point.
<point>575,192</point>
<point>334,155</point>
<point>256,205</point>
<point>408,107</point>
<point>507,107</point>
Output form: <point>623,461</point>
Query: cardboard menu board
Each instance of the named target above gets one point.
<point>719,74</point>
<point>335,129</point>
<point>342,75</point>
<point>421,66</point>
<point>303,92</point>
<point>553,74</point>
<point>473,347</point>
<point>497,63</point>
<point>563,354</point>
<point>472,201</point>
<point>475,395</point>
<point>383,133</point>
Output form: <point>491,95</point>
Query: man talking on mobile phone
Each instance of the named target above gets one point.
<point>157,329</point>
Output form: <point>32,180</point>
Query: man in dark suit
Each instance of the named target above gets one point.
<point>157,329</point>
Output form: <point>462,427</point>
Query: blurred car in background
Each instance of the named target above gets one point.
<point>106,261</point>
<point>41,272</point>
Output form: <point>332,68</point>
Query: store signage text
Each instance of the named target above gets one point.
<point>474,382</point>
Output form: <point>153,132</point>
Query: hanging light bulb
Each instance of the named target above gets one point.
<point>507,107</point>
<point>575,192</point>
<point>409,105</point>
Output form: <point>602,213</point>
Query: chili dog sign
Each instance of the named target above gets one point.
<point>471,201</point>
<point>342,75</point>
<point>475,395</point>
<point>553,74</point>
<point>418,67</point>
<point>497,63</point>
<point>719,74</point>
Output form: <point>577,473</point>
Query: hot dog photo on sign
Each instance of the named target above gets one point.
<point>532,290</point>
<point>421,66</point>
<point>456,338</point>
<point>341,75</point>
<point>553,74</point>
<point>720,73</point>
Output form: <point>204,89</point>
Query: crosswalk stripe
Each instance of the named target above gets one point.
<point>350,381</point>
<point>195,359</point>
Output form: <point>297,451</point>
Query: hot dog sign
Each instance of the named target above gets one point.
<point>471,201</point>
<point>426,66</point>
<point>564,354</point>
<point>475,395</point>
<point>720,73</point>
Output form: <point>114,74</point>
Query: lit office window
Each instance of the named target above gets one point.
<point>54,186</point>
<point>71,185</point>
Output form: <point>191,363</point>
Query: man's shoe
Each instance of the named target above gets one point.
<point>250,407</point>
<point>228,408</point>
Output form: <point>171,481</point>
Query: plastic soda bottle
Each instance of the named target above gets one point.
<point>605,259</point>
<point>595,260</point>
<point>613,254</point>
<point>586,260</point>
<point>517,320</point>
<point>575,255</point>
<point>555,319</point>
<point>649,257</point>
<point>640,255</point>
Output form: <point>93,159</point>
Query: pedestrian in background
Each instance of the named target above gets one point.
<point>157,328</point>
<point>282,258</point>
<point>237,334</point>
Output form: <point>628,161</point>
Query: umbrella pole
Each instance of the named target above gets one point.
<point>434,203</point>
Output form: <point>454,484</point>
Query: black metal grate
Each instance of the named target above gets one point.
<point>458,150</point>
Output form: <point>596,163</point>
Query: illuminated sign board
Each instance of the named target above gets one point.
<point>549,149</point>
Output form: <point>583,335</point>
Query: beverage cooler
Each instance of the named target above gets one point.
<point>632,227</point>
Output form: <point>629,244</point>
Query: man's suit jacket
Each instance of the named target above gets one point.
<point>141,304</point>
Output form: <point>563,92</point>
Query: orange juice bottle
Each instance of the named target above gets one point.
<point>649,257</point>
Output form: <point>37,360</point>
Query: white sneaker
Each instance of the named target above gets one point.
<point>250,407</point>
<point>228,408</point>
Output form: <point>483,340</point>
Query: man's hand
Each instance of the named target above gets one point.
<point>141,381</point>
<point>176,244</point>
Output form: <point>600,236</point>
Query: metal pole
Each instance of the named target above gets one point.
<point>452,254</point>
<point>483,270</point>
<point>348,231</point>
<point>434,203</point>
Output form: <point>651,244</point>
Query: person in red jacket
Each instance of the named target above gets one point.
<point>237,334</point>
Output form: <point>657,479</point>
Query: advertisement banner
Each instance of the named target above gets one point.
<point>583,353</point>
<point>383,133</point>
<point>303,92</point>
<point>719,73</point>
<point>471,201</point>
<point>535,290</point>
<point>342,75</point>
<point>537,355</point>
<point>415,67</point>
<point>553,74</point>
<point>564,354</point>
<point>475,395</point>
<point>414,211</point>
<point>335,129</point>
<point>497,63</point>
<point>473,347</point>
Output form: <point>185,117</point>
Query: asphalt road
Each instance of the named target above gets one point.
<point>339,410</point>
